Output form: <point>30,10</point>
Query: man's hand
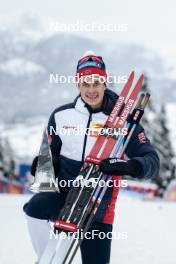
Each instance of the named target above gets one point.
<point>115,166</point>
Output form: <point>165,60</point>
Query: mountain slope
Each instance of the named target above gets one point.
<point>29,54</point>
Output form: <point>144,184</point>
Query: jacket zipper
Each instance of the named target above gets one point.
<point>85,138</point>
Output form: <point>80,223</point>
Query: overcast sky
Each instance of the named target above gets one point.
<point>151,23</point>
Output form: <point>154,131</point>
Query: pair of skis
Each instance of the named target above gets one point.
<point>83,202</point>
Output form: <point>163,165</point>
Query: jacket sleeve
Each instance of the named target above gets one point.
<point>141,149</point>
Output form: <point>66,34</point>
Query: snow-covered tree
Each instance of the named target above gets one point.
<point>154,122</point>
<point>162,143</point>
<point>6,157</point>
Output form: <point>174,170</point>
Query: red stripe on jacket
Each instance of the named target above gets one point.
<point>110,211</point>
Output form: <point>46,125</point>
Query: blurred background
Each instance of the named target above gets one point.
<point>39,42</point>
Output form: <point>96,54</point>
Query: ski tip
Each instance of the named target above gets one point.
<point>142,77</point>
<point>130,79</point>
<point>140,80</point>
<point>131,75</point>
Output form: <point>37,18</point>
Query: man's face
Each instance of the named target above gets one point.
<point>92,90</point>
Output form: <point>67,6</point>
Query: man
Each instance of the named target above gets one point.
<point>90,109</point>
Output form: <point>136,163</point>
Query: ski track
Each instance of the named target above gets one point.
<point>149,227</point>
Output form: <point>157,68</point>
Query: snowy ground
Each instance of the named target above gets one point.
<point>146,230</point>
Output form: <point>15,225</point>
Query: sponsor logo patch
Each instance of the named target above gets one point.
<point>88,64</point>
<point>95,129</point>
<point>69,127</point>
<point>142,138</point>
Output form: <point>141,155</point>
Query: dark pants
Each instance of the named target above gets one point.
<point>95,248</point>
<point>98,249</point>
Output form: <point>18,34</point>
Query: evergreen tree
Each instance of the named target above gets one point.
<point>161,141</point>
<point>6,157</point>
<point>155,125</point>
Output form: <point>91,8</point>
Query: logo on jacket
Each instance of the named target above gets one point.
<point>95,129</point>
<point>69,127</point>
<point>142,137</point>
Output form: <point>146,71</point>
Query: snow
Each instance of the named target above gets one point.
<point>145,230</point>
<point>25,139</point>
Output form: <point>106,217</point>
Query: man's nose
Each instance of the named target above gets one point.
<point>91,88</point>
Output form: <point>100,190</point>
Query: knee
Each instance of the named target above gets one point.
<point>42,206</point>
<point>35,207</point>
